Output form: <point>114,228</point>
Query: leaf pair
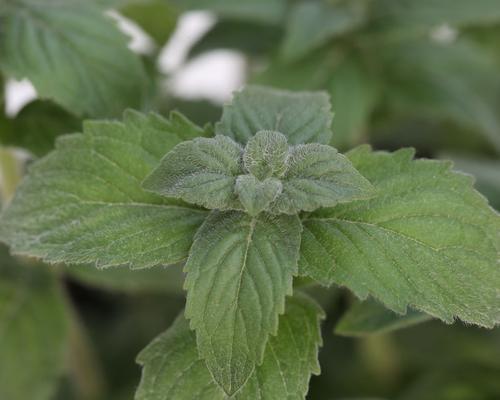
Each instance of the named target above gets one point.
<point>267,175</point>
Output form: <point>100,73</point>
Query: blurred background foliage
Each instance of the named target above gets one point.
<point>399,72</point>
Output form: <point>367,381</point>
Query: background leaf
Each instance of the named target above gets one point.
<point>33,330</point>
<point>370,317</point>
<point>96,74</point>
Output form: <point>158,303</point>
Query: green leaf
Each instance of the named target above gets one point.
<point>266,154</point>
<point>202,171</point>
<point>370,317</point>
<point>301,116</point>
<point>173,370</point>
<point>239,270</point>
<point>72,54</point>
<point>411,17</point>
<point>427,240</point>
<point>240,36</point>
<point>312,24</point>
<point>458,81</point>
<point>33,331</point>
<point>268,11</point>
<point>354,94</point>
<point>255,195</point>
<point>84,203</point>
<point>157,279</point>
<point>36,127</point>
<point>318,176</point>
<point>156,17</point>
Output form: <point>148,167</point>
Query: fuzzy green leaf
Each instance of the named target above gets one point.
<point>173,370</point>
<point>33,331</point>
<point>202,171</point>
<point>301,116</point>
<point>72,54</point>
<point>239,270</point>
<point>318,176</point>
<point>256,196</point>
<point>427,240</point>
<point>84,203</point>
<point>370,317</point>
<point>266,154</point>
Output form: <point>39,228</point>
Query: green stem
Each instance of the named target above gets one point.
<point>10,173</point>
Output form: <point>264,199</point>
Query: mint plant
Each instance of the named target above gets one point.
<point>249,206</point>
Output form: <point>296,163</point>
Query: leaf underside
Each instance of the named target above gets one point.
<point>239,271</point>
<point>83,203</point>
<point>427,240</point>
<point>173,370</point>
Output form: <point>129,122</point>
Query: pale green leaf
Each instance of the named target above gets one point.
<point>202,171</point>
<point>266,154</point>
<point>33,331</point>
<point>84,203</point>
<point>370,317</point>
<point>239,270</point>
<point>318,176</point>
<point>427,240</point>
<point>313,23</point>
<point>255,195</point>
<point>173,370</point>
<point>301,116</point>
<point>72,54</point>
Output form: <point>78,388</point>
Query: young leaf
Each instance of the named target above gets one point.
<point>33,331</point>
<point>239,271</point>
<point>202,171</point>
<point>370,317</point>
<point>313,23</point>
<point>301,116</point>
<point>84,203</point>
<point>266,154</point>
<point>428,240</point>
<point>173,370</point>
<point>72,54</point>
<point>318,176</point>
<point>254,195</point>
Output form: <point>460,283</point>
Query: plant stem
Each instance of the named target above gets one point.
<point>10,173</point>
